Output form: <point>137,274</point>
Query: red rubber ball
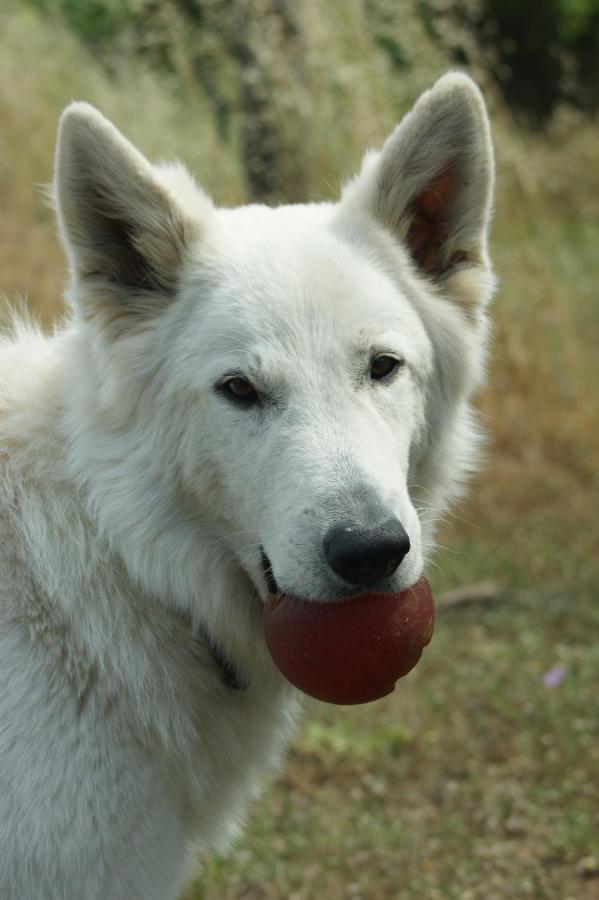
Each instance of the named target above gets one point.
<point>352,650</point>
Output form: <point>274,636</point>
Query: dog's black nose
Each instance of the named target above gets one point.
<point>366,555</point>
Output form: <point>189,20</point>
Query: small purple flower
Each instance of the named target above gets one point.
<point>554,676</point>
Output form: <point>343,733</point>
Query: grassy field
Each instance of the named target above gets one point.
<point>477,778</point>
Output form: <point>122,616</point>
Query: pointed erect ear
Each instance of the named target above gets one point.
<point>431,187</point>
<point>125,232</point>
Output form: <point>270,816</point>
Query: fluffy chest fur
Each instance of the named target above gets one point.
<point>117,718</point>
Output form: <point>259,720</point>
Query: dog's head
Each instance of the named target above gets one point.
<point>289,386</point>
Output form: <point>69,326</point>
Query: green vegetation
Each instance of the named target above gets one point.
<point>475,779</point>
<point>544,52</point>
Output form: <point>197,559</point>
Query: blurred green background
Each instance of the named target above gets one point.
<point>477,778</point>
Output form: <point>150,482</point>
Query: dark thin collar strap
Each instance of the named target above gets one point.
<point>228,672</point>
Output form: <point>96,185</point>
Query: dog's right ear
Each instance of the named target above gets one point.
<point>431,189</point>
<point>125,232</point>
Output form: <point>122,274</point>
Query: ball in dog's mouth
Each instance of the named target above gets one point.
<point>351,650</point>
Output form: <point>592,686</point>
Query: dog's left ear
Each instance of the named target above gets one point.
<point>431,186</point>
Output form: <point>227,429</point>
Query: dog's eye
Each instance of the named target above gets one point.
<point>383,366</point>
<point>239,388</point>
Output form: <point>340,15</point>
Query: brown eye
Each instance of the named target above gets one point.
<point>383,366</point>
<point>239,388</point>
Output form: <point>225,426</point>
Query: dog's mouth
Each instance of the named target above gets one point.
<point>333,595</point>
<point>267,571</point>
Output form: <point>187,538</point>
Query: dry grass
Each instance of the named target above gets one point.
<point>475,780</point>
<point>42,69</point>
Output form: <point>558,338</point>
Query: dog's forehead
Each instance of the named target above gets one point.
<point>290,283</point>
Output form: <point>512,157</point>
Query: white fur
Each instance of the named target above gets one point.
<point>135,498</point>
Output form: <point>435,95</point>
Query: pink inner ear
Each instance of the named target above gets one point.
<point>430,221</point>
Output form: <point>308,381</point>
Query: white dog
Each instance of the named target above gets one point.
<point>231,386</point>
